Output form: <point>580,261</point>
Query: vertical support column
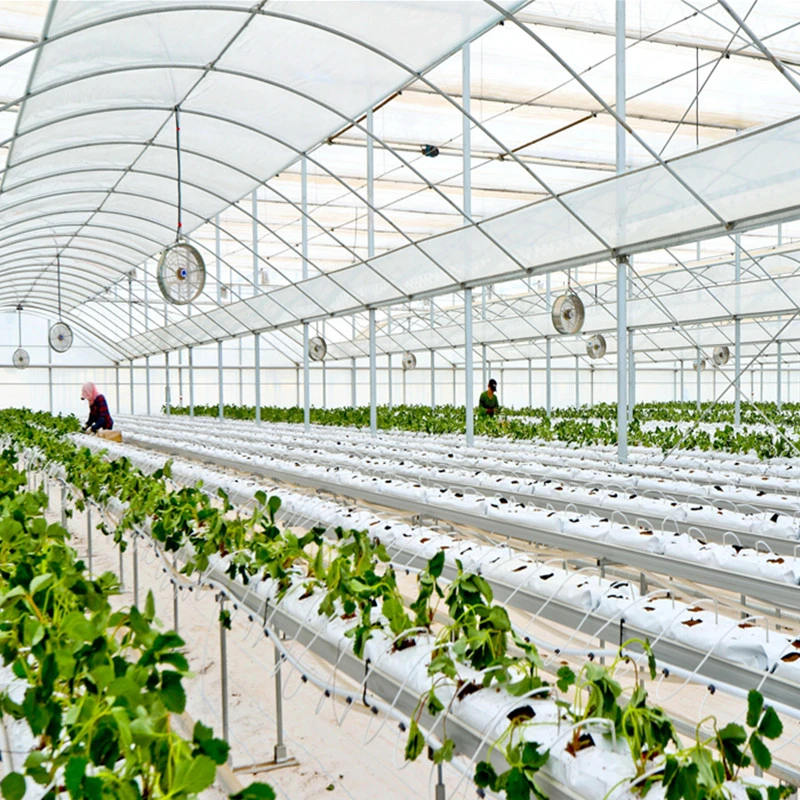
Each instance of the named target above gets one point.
<point>737,354</point>
<point>175,614</point>
<point>469,403</point>
<point>591,384</point>
<point>116,380</point>
<point>622,356</point>
<point>89,534</point>
<point>131,371</point>
<point>167,384</point>
<point>255,241</point>
<point>304,251</point>
<point>223,668</point>
<point>484,365</point>
<point>180,377</point>
<point>433,380</point>
<point>147,383</point>
<point>631,377</point>
<point>454,384</point>
<point>389,378</point>
<point>49,372</point>
<point>699,372</point>
<point>577,383</point>
<point>281,753</point>
<point>530,383</point>
<point>220,382</point>
<point>324,385</point>
<point>218,256</point>
<point>622,263</point>
<point>135,547</point>
<point>373,377</point>
<point>353,395</point>
<point>675,384</point>
<point>761,380</point>
<point>191,381</point>
<point>778,377</point>
<point>683,396</point>
<point>257,373</point>
<point>548,369</point>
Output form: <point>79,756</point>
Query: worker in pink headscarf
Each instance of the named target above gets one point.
<point>99,416</point>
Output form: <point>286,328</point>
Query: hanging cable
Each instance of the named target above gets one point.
<point>178,157</point>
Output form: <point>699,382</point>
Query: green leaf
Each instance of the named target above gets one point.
<point>415,743</point>
<point>255,791</point>
<point>445,752</point>
<point>436,564</point>
<point>517,786</point>
<point>566,678</point>
<point>753,793</point>
<point>485,776</point>
<point>770,726</point>
<point>760,752</point>
<point>13,786</point>
<point>73,775</point>
<point>172,692</point>
<point>755,704</point>
<point>40,582</point>
<point>194,775</point>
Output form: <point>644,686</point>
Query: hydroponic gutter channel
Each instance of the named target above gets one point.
<point>782,595</point>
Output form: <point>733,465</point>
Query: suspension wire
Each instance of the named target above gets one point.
<point>178,231</point>
<point>58,271</point>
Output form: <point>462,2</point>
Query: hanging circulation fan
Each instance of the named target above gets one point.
<point>702,365</point>
<point>181,271</point>
<point>721,356</point>
<point>60,334</point>
<point>568,313</point>
<point>20,359</point>
<point>596,346</point>
<point>317,348</point>
<point>409,360</point>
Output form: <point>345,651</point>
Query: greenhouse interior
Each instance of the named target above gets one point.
<point>400,399</point>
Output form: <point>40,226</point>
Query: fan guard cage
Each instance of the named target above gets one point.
<point>568,313</point>
<point>60,337</point>
<point>317,348</point>
<point>21,358</point>
<point>722,354</point>
<point>596,346</point>
<point>181,274</point>
<point>409,360</point>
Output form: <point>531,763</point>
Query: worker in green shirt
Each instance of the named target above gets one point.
<point>489,405</point>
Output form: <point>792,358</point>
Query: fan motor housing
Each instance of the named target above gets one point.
<point>409,360</point>
<point>596,346</point>
<point>317,348</point>
<point>568,313</point>
<point>181,274</point>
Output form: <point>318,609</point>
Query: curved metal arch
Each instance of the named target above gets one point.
<point>8,256</point>
<point>261,80</point>
<point>314,101</point>
<point>19,239</point>
<point>45,309</point>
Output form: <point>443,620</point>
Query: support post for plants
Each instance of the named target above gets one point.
<point>220,381</point>
<point>440,787</point>
<point>778,377</point>
<point>135,546</point>
<point>167,385</point>
<point>121,568</point>
<point>191,381</point>
<point>89,537</point>
<point>223,669</point>
<point>622,355</point>
<point>373,377</point>
<point>257,373</point>
<point>175,615</point>
<point>469,405</point>
<point>281,753</point>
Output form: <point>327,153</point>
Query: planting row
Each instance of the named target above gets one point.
<point>91,689</point>
<point>657,614</point>
<point>590,425</point>
<point>580,532</point>
<point>552,490</point>
<point>473,667</point>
